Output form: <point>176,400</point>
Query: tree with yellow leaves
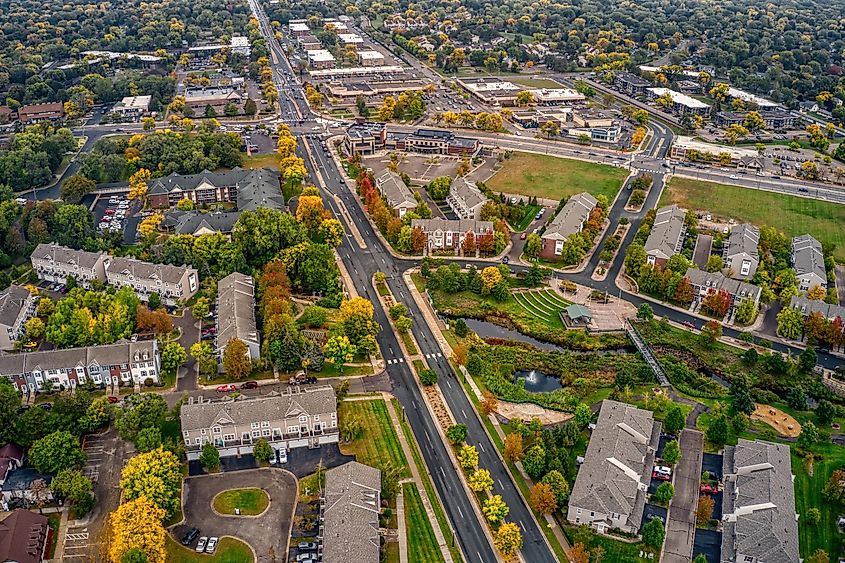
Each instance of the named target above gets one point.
<point>490,277</point>
<point>480,481</point>
<point>331,232</point>
<point>388,106</point>
<point>293,169</point>
<point>817,293</point>
<point>508,539</point>
<point>286,145</point>
<point>138,184</point>
<point>149,123</point>
<point>137,525</point>
<point>149,225</point>
<point>495,509</point>
<point>468,456</point>
<point>310,212</point>
<point>155,475</point>
<point>524,98</point>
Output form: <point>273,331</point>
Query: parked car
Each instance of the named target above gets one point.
<point>46,406</point>
<point>112,399</point>
<point>710,489</point>
<point>190,536</point>
<point>211,545</point>
<point>228,388</point>
<point>201,544</point>
<point>249,385</point>
<point>663,469</point>
<point>306,558</point>
<point>283,455</point>
<point>660,476</point>
<point>655,517</point>
<point>307,546</point>
<point>523,235</point>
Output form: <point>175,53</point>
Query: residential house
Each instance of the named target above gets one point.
<point>172,283</point>
<point>236,315</point>
<point>17,305</point>
<point>122,363</point>
<point>36,113</point>
<point>809,306</point>
<point>250,189</point>
<point>11,459</point>
<point>741,255</point>
<point>630,84</point>
<point>612,484</point>
<point>465,199</point>
<point>808,261</point>
<point>55,263</point>
<point>704,283</point>
<point>296,418</point>
<point>667,235</point>
<point>569,221</point>
<point>349,515</point>
<point>449,234</point>
<point>25,537</point>
<point>18,485</point>
<point>132,107</point>
<point>393,189</point>
<point>808,106</point>
<point>759,522</point>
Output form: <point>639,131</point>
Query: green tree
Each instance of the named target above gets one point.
<point>664,493</point>
<point>717,432</point>
<point>203,353</point>
<point>457,433</point>
<point>559,485</point>
<point>210,457</point>
<point>654,533</point>
<point>672,452</point>
<point>644,312</point>
<point>675,420</point>
<point>809,435</point>
<point>339,351</point>
<point>10,401</point>
<point>201,308</point>
<point>533,245</point>
<point>172,356</point>
<point>148,439</point>
<point>75,188</point>
<point>144,410</point>
<point>583,415</point>
<point>56,452</point>
<point>535,462</point>
<point>98,414</point>
<point>262,450</point>
<point>790,323</point>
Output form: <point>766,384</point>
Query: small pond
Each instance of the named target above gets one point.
<point>537,381</point>
<point>486,329</point>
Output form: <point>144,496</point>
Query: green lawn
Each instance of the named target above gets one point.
<point>422,545</point>
<point>535,82</point>
<point>229,550</point>
<point>527,217</point>
<point>554,178</point>
<point>378,443</point>
<point>790,214</point>
<point>808,494</point>
<point>251,501</point>
<point>54,520</point>
<point>261,161</point>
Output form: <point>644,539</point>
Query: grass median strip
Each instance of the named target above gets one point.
<point>422,545</point>
<point>377,443</point>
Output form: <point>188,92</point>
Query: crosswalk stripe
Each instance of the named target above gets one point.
<point>401,360</point>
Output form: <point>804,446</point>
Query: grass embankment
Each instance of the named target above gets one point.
<point>553,178</point>
<point>528,216</point>
<point>790,214</point>
<point>251,502</point>
<point>270,160</point>
<point>229,550</point>
<point>808,494</point>
<point>422,545</point>
<point>378,443</point>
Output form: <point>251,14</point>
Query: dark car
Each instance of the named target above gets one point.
<point>46,406</point>
<point>190,536</point>
<point>112,399</point>
<point>249,385</point>
<point>311,380</point>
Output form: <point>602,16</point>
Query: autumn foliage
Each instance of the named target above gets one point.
<point>137,524</point>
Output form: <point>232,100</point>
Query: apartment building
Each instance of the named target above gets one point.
<point>809,306</point>
<point>370,58</point>
<point>631,84</point>
<point>681,103</point>
<point>320,59</point>
<point>612,484</point>
<point>704,283</point>
<point>55,263</point>
<point>349,511</point>
<point>667,235</point>
<point>299,417</point>
<point>122,363</point>
<point>569,221</point>
<point>393,189</point>
<point>808,261</point>
<point>465,199</point>
<point>446,234</point>
<point>759,522</point>
<point>36,113</point>
<point>741,255</point>
<point>172,283</point>
<point>250,189</point>
<point>236,315</point>
<point>17,305</point>
<point>25,537</point>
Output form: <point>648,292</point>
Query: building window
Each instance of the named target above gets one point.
<point>203,432</point>
<point>228,437</point>
<point>256,433</point>
<point>293,429</point>
<point>265,424</point>
<point>255,425</point>
<point>265,432</point>
<point>216,430</point>
<point>186,434</point>
<point>199,441</point>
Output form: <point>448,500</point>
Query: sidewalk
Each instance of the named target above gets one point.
<point>415,475</point>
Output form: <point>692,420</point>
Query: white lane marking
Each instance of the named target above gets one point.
<point>464,413</point>
<point>480,445</point>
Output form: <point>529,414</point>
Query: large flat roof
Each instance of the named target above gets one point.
<point>320,55</point>
<point>752,98</point>
<point>679,98</point>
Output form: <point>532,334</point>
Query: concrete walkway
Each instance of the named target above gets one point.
<point>417,480</point>
<point>403,530</point>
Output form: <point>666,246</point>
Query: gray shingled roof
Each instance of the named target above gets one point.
<point>717,281</point>
<point>236,309</point>
<point>454,225</point>
<point>743,239</point>
<point>350,531</point>
<point>190,222</point>
<point>809,306</point>
<point>617,466</point>
<point>12,301</point>
<point>394,190</point>
<point>65,255</point>
<point>467,192</point>
<point>807,256</point>
<point>758,503</point>
<point>256,188</point>
<point>244,410</point>
<point>570,219</point>
<point>666,233</point>
<point>147,270</point>
<point>121,352</point>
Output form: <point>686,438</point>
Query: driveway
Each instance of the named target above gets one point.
<point>301,461</point>
<point>708,542</point>
<point>680,530</point>
<point>187,378</point>
<point>269,530</point>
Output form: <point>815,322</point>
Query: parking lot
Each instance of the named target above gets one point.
<point>268,530</point>
<point>115,213</point>
<point>107,454</point>
<point>709,543</point>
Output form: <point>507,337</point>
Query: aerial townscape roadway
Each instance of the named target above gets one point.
<point>422,282</point>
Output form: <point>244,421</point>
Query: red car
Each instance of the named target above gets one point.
<point>229,387</point>
<point>660,476</point>
<point>112,399</point>
<point>523,235</point>
<point>711,489</point>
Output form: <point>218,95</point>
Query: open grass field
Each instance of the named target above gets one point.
<point>535,82</point>
<point>250,501</point>
<point>422,545</point>
<point>808,494</point>
<point>790,214</point>
<point>261,161</point>
<point>554,178</point>
<point>378,443</point>
<point>229,550</point>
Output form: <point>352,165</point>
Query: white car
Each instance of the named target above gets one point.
<point>212,545</point>
<point>733,176</point>
<point>201,544</point>
<point>283,456</point>
<point>663,470</point>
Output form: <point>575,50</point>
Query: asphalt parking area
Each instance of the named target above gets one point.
<point>680,529</point>
<point>712,463</point>
<point>269,530</point>
<point>709,543</point>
